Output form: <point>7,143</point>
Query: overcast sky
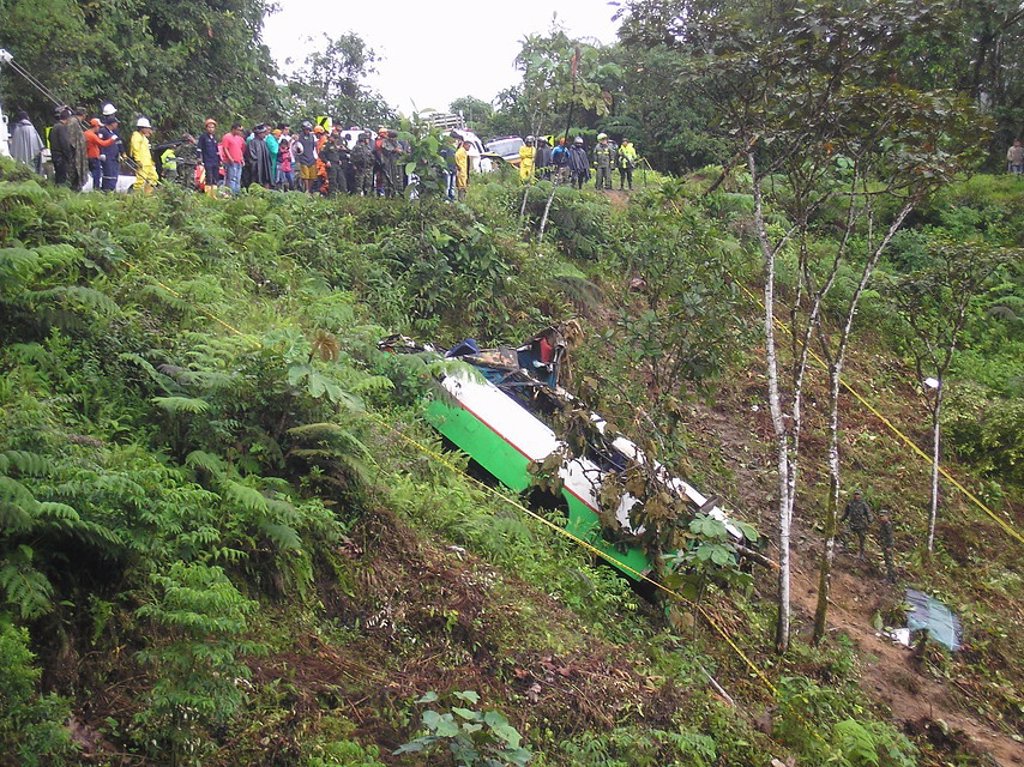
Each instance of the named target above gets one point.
<point>432,53</point>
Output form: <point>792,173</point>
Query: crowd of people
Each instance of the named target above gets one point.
<point>570,164</point>
<point>319,158</point>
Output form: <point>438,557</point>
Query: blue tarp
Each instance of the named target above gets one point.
<point>928,613</point>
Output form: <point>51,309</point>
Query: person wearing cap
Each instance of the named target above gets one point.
<point>209,155</point>
<point>579,164</point>
<point>232,150</point>
<point>142,155</point>
<point>527,154</point>
<point>61,152</point>
<point>110,157</point>
<point>94,146</point>
<point>604,160</point>
<point>26,144</point>
<point>627,161</point>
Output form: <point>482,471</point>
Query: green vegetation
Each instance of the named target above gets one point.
<point>218,543</point>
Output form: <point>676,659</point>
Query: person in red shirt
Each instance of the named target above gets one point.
<point>94,146</point>
<point>232,148</point>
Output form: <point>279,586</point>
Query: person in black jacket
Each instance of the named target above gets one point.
<point>209,154</point>
<point>61,151</point>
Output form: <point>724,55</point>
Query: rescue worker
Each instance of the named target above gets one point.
<point>605,155</point>
<point>78,170</point>
<point>209,156</point>
<point>26,144</point>
<point>187,159</point>
<point>560,160</point>
<point>95,145</point>
<point>362,161</point>
<point>390,151</point>
<point>527,155</point>
<point>334,153</point>
<point>110,157</point>
<point>142,155</point>
<point>886,539</point>
<point>627,161</point>
<point>858,513</point>
<point>542,159</point>
<point>61,153</point>
<point>579,164</point>
<point>462,170</point>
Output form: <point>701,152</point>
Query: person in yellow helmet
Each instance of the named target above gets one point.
<point>142,155</point>
<point>527,154</point>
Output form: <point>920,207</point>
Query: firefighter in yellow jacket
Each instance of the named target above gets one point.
<point>527,155</point>
<point>462,170</point>
<point>142,155</point>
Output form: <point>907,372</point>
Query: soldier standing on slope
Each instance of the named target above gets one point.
<point>885,537</point>
<point>858,513</point>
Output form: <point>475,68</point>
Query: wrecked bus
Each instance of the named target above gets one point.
<point>501,408</point>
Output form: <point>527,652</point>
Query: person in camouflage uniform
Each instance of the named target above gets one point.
<point>390,151</point>
<point>362,161</point>
<point>334,153</point>
<point>885,537</point>
<point>858,513</point>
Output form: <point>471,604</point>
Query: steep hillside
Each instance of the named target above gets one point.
<point>229,537</point>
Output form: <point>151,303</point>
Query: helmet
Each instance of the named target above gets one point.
<point>602,136</point>
<point>578,140</point>
<point>307,125</point>
<point>143,122</point>
<point>108,109</point>
<point>210,121</point>
<point>299,149</point>
<point>318,129</point>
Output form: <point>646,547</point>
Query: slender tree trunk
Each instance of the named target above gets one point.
<point>547,209</point>
<point>835,377</point>
<point>784,468</point>
<point>831,511</point>
<point>936,429</point>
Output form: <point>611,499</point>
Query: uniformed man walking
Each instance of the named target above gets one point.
<point>885,537</point>
<point>858,513</point>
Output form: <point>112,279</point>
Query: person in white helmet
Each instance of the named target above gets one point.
<point>142,155</point>
<point>109,109</point>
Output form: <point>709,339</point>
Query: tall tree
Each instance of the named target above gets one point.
<point>330,82</point>
<point>175,61</point>
<point>806,98</point>
<point>932,303</point>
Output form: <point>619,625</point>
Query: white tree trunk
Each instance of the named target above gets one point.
<point>933,513</point>
<point>786,473</point>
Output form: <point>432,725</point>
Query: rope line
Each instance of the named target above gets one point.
<point>1006,526</point>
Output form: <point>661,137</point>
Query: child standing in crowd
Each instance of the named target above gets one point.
<point>285,175</point>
